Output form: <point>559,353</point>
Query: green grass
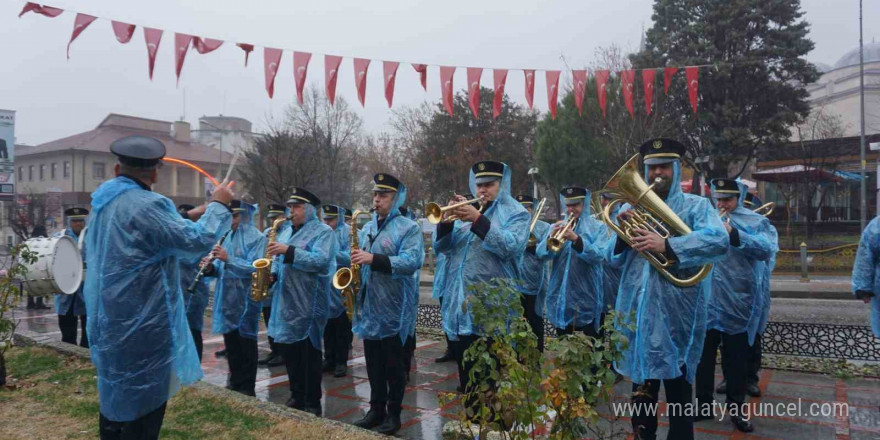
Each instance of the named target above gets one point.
<point>23,363</point>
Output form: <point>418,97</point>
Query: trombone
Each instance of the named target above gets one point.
<point>557,240</point>
<point>533,241</point>
<point>434,212</point>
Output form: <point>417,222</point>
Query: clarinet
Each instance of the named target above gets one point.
<point>201,274</point>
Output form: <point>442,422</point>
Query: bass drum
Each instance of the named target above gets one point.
<point>58,269</point>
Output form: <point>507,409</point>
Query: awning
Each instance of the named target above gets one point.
<point>799,173</point>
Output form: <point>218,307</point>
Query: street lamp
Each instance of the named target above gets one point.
<point>702,160</point>
<point>533,173</point>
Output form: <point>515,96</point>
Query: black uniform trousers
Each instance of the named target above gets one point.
<point>754,360</point>
<point>303,363</point>
<point>67,325</point>
<point>241,353</point>
<point>409,349</point>
<point>197,340</point>
<point>267,313</point>
<point>337,340</point>
<point>144,428</point>
<point>734,360</point>
<point>386,369</point>
<point>589,330</point>
<point>536,321</point>
<point>678,391</point>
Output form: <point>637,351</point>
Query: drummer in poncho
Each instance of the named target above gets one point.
<point>72,308</point>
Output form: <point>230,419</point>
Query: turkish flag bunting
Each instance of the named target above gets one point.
<point>446,74</point>
<point>271,61</point>
<point>48,11</point>
<point>152,37</point>
<point>360,77</point>
<point>331,72</point>
<point>692,73</point>
<point>601,80</point>
<point>530,86</point>
<point>123,31</point>
<point>247,48</point>
<point>626,80</point>
<point>667,78</point>
<point>300,68</point>
<point>473,76</point>
<point>648,88</point>
<point>206,45</point>
<point>500,79</point>
<point>423,74</point>
<point>552,90</point>
<point>181,46</point>
<point>389,70</point>
<point>80,24</point>
<point>580,88</point>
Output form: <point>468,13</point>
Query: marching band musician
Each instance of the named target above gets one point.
<point>71,308</point>
<point>273,358</point>
<point>301,295</point>
<point>139,339</point>
<point>866,272</point>
<point>736,302</point>
<point>196,302</point>
<point>392,251</point>
<point>534,275</point>
<point>337,334</point>
<point>671,321</point>
<point>574,298</point>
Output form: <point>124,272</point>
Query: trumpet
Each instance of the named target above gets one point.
<point>532,239</point>
<point>348,279</point>
<point>434,212</point>
<point>725,215</point>
<point>557,240</point>
<point>765,209</point>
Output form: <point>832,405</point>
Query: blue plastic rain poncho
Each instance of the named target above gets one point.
<point>139,339</point>
<point>471,260</point>
<point>197,301</point>
<point>300,297</point>
<point>534,276</point>
<point>575,294</point>
<point>670,321</point>
<point>388,303</point>
<point>233,308</point>
<point>342,233</point>
<point>610,273</point>
<point>866,271</point>
<point>285,225</point>
<point>63,302</point>
<point>737,300</point>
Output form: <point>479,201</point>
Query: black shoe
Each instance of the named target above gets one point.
<point>390,426</point>
<point>445,358</point>
<point>316,410</point>
<point>753,390</point>
<point>327,366</point>
<point>340,370</point>
<point>264,361</point>
<point>459,389</point>
<point>291,403</point>
<point>276,361</point>
<point>220,353</point>
<point>372,419</point>
<point>31,306</point>
<point>742,424</point>
<point>43,307</point>
<point>721,388</point>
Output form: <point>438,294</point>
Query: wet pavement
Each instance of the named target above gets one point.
<point>347,398</point>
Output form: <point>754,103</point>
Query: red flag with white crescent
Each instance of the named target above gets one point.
<point>446,76</point>
<point>152,37</point>
<point>48,11</point>
<point>692,74</point>
<point>360,77</point>
<point>530,86</point>
<point>181,46</point>
<point>500,76</point>
<point>423,74</point>
<point>331,72</point>
<point>627,77</point>
<point>206,45</point>
<point>601,82</point>
<point>389,71</point>
<point>123,31</point>
<point>667,78</point>
<point>648,88</point>
<point>300,69</point>
<point>80,23</point>
<point>247,48</point>
<point>580,88</point>
<point>552,91</point>
<point>473,77</point>
<point>271,62</point>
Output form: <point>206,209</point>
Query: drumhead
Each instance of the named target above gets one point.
<point>67,266</point>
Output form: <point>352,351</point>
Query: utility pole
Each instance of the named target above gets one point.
<point>864,190</point>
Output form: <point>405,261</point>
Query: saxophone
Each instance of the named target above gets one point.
<point>348,279</point>
<point>261,278</point>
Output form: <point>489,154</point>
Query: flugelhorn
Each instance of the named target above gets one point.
<point>765,209</point>
<point>348,279</point>
<point>434,212</point>
<point>649,212</point>
<point>537,214</point>
<point>557,240</point>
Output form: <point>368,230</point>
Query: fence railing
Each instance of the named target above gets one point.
<point>837,259</point>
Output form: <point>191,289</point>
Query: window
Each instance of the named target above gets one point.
<point>98,170</point>
<point>30,173</point>
<point>42,172</point>
<point>66,169</point>
<point>54,170</point>
<point>20,173</point>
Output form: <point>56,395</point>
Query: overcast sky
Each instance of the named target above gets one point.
<point>55,97</point>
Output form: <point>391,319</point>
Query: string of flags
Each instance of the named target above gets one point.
<point>272,60</point>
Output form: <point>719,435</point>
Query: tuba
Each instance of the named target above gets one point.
<point>648,212</point>
<point>348,279</point>
<point>765,209</point>
<point>260,279</point>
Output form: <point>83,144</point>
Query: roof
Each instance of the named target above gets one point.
<point>115,126</point>
<point>872,54</point>
<point>796,173</point>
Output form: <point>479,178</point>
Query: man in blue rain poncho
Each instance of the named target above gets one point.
<point>273,358</point>
<point>610,274</point>
<point>71,308</point>
<point>196,301</point>
<point>866,272</point>
<point>337,334</point>
<point>301,296</point>
<point>392,251</point>
<point>235,316</point>
<point>574,299</point>
<point>670,320</point>
<point>533,274</point>
<point>484,245</point>
<point>736,302</point>
<point>139,339</point>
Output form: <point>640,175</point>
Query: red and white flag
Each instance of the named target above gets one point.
<point>552,91</point>
<point>389,72</point>
<point>247,48</point>
<point>331,72</point>
<point>692,74</point>
<point>500,76</point>
<point>181,46</point>
<point>473,77</point>
<point>446,75</point>
<point>601,82</point>
<point>152,37</point>
<point>423,74</point>
<point>667,78</point>
<point>80,23</point>
<point>580,89</point>
<point>360,77</point>
<point>300,69</point>
<point>206,45</point>
<point>530,86</point>
<point>48,11</point>
<point>123,31</point>
<point>648,88</point>
<point>627,77</point>
<point>271,62</point>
